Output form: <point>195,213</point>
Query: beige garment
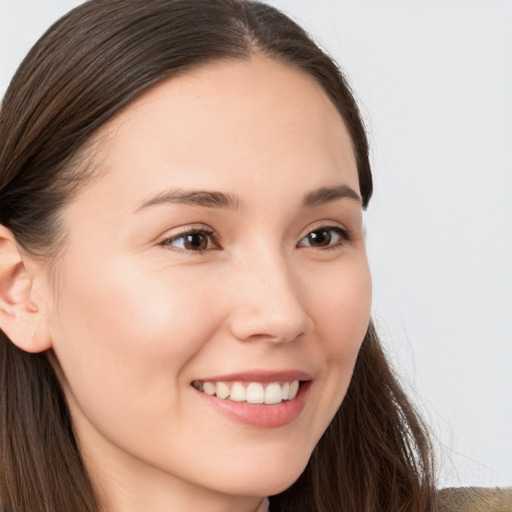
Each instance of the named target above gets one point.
<point>475,499</point>
<point>464,499</point>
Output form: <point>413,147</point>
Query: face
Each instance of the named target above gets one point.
<point>219,251</point>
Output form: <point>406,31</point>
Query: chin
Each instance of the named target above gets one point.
<point>265,480</point>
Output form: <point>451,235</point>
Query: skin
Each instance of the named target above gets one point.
<point>132,321</point>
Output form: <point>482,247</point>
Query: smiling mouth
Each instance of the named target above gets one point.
<point>270,393</point>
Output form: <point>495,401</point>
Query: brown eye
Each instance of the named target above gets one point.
<point>319,238</point>
<point>324,238</point>
<point>193,241</point>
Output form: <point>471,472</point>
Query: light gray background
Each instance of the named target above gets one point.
<point>434,80</point>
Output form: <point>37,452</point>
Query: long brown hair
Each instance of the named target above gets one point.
<point>375,455</point>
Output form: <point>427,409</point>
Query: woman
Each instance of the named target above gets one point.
<point>185,293</point>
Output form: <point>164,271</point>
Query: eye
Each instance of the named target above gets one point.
<point>325,237</point>
<point>195,240</point>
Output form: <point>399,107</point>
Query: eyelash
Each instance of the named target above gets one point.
<point>341,232</point>
<point>212,235</point>
<point>213,238</point>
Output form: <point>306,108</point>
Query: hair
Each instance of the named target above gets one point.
<point>89,66</point>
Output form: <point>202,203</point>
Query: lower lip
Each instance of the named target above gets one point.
<point>261,415</point>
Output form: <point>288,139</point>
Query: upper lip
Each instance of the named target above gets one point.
<point>259,376</point>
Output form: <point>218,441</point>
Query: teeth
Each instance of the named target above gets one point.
<point>238,393</point>
<point>273,394</point>
<point>294,387</point>
<point>286,391</point>
<point>253,393</point>
<point>222,391</point>
<point>209,388</point>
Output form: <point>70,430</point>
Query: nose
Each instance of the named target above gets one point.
<point>268,302</point>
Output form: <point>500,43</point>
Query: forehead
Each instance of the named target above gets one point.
<point>229,124</point>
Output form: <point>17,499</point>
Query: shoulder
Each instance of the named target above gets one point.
<point>475,499</point>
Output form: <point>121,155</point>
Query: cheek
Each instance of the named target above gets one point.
<point>343,311</point>
<point>123,337</point>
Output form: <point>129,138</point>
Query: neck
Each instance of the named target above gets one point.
<point>132,488</point>
<point>125,484</point>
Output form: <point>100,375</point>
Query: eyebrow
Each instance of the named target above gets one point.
<point>328,194</point>
<point>204,198</point>
<point>213,199</point>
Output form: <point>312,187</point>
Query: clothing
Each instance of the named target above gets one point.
<point>458,499</point>
<point>464,499</point>
<point>475,499</point>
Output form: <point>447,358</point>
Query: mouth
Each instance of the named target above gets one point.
<point>270,393</point>
<point>258,399</point>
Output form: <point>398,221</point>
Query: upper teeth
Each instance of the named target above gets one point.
<point>252,392</point>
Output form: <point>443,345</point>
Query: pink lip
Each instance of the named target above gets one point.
<point>260,376</point>
<point>260,415</point>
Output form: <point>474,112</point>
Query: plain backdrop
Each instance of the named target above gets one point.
<point>434,81</point>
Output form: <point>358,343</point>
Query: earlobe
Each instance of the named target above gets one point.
<point>21,317</point>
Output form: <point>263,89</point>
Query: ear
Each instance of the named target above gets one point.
<point>21,314</point>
